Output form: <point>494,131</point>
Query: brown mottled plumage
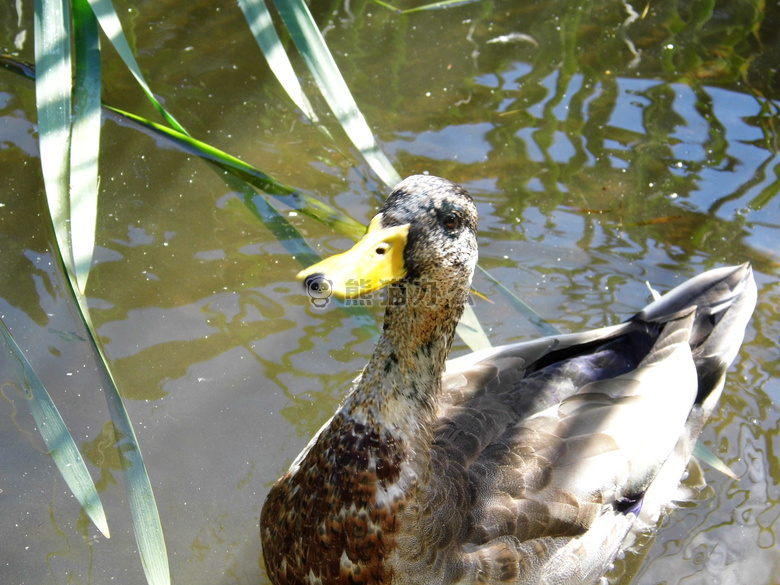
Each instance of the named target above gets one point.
<point>529,463</point>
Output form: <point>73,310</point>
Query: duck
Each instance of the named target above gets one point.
<point>531,463</point>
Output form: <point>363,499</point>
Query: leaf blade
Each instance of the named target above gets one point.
<point>470,330</point>
<point>143,505</point>
<point>298,200</point>
<point>53,96</point>
<point>259,20</point>
<point>85,141</point>
<point>57,437</point>
<point>53,100</point>
<point>109,21</point>
<point>315,53</point>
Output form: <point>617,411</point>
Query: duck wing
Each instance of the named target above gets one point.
<point>547,452</point>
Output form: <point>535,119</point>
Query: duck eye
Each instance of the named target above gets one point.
<point>451,221</point>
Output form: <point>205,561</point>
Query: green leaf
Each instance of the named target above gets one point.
<point>521,307</point>
<point>262,27</point>
<point>706,456</point>
<point>109,22</point>
<point>315,53</point>
<point>143,506</point>
<point>53,95</point>
<point>85,141</point>
<point>471,331</point>
<point>306,204</point>
<point>432,6</point>
<point>57,437</point>
<point>53,98</point>
<point>18,66</point>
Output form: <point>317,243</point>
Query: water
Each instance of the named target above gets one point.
<point>605,148</point>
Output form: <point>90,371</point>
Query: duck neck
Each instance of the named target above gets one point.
<point>398,389</point>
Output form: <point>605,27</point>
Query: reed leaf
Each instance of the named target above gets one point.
<point>521,307</point>
<point>432,6</point>
<point>470,330</point>
<point>706,456</point>
<point>143,506</point>
<point>297,200</point>
<point>53,99</point>
<point>112,27</point>
<point>53,96</point>
<point>262,27</point>
<point>56,436</point>
<point>318,59</point>
<point>85,141</point>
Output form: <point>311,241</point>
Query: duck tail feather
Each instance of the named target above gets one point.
<point>714,293</point>
<point>724,300</point>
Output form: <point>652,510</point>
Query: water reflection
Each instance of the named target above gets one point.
<point>607,152</point>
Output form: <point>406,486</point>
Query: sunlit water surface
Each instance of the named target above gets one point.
<point>604,147</point>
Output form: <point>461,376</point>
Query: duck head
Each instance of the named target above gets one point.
<point>423,239</point>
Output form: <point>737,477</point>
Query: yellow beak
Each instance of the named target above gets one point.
<point>375,261</point>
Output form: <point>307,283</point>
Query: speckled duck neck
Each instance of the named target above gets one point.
<point>398,387</point>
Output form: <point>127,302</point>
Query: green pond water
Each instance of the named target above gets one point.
<point>606,144</point>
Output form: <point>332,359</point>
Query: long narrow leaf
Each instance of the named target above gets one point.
<point>432,6</point>
<point>312,47</point>
<point>297,200</point>
<point>53,96</point>
<point>262,27</point>
<point>143,506</point>
<point>109,22</point>
<point>85,141</point>
<point>706,456</point>
<point>521,307</point>
<point>470,330</point>
<point>53,99</point>
<point>18,66</point>
<point>57,437</point>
